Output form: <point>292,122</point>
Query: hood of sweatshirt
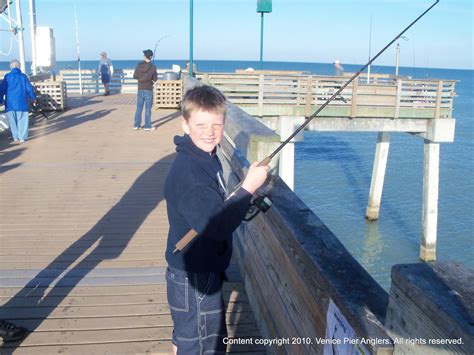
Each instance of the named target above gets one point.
<point>145,67</point>
<point>209,162</point>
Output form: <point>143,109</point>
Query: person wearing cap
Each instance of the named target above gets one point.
<point>106,70</point>
<point>146,75</point>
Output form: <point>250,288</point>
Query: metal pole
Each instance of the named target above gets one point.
<point>21,42</point>
<point>370,46</point>
<point>33,35</point>
<point>261,40</point>
<point>191,63</point>
<point>78,51</point>
<point>397,62</point>
<point>397,58</point>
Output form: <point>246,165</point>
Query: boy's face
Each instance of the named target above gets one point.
<point>205,129</point>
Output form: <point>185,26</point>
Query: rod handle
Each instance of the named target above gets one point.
<point>265,161</point>
<point>188,237</point>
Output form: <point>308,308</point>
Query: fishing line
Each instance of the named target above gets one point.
<point>268,159</point>
<point>156,45</point>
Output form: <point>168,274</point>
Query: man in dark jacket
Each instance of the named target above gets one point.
<point>17,90</point>
<point>145,73</point>
<point>196,199</point>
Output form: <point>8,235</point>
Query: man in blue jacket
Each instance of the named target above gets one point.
<point>17,89</point>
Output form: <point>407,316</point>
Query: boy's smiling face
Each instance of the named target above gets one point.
<point>205,129</point>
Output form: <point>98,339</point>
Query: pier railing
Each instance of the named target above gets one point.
<point>167,93</point>
<point>121,81</point>
<point>300,95</point>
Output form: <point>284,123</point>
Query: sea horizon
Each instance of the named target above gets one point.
<point>352,66</point>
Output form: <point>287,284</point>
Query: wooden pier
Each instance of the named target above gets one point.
<point>83,229</point>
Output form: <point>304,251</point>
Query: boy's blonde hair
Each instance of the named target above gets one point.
<point>205,98</point>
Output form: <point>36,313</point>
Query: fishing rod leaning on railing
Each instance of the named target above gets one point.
<point>261,203</point>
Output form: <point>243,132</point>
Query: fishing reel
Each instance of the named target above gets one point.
<point>257,204</point>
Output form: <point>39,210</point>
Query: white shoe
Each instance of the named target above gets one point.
<point>147,129</point>
<point>135,128</point>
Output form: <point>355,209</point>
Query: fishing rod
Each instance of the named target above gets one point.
<point>269,158</point>
<point>156,45</point>
<point>260,204</point>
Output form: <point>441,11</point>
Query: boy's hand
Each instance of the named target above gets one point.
<point>255,178</point>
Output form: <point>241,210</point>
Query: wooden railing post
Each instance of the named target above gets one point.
<point>355,87</point>
<point>398,99</point>
<point>309,96</point>
<point>439,95</point>
<point>260,94</point>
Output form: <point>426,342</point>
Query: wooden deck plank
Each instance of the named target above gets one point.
<point>89,231</point>
<point>128,348</point>
<point>104,290</point>
<point>100,300</point>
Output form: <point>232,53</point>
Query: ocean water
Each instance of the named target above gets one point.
<point>333,172</point>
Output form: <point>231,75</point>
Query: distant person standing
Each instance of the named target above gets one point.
<point>146,75</point>
<point>17,89</point>
<point>106,70</point>
<point>338,67</point>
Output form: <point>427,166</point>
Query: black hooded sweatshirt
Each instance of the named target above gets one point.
<point>145,73</point>
<point>195,199</point>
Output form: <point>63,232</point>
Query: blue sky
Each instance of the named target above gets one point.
<point>296,30</point>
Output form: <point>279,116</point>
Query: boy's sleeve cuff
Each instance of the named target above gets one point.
<point>242,194</point>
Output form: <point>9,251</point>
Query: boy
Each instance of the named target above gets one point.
<point>196,199</point>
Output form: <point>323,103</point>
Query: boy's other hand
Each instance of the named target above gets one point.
<point>255,178</point>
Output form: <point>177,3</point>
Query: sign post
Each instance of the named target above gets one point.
<point>263,6</point>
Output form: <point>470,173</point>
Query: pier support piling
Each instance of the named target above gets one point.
<point>430,201</point>
<point>378,176</point>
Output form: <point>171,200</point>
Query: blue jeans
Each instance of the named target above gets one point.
<point>198,311</point>
<point>144,97</point>
<point>18,124</point>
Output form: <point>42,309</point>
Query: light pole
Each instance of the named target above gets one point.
<point>21,43</point>
<point>370,47</point>
<point>33,35</point>
<point>263,6</point>
<point>397,59</point>
<point>191,38</point>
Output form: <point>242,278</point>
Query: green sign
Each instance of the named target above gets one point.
<point>264,5</point>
